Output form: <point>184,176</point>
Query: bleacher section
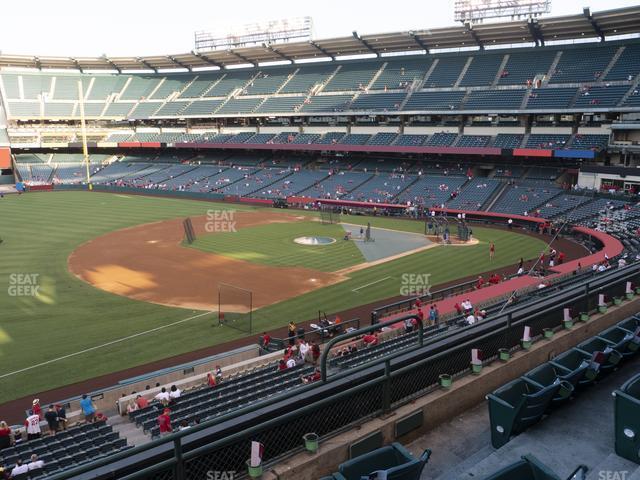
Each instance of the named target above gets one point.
<point>474,194</point>
<point>582,64</point>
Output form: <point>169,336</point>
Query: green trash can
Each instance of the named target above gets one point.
<point>445,380</point>
<point>311,441</point>
<point>254,472</point>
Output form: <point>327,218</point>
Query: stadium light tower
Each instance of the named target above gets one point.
<point>476,11</point>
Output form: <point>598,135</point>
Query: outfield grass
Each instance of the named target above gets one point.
<point>40,230</point>
<point>273,244</point>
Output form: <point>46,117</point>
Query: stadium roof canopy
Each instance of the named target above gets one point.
<point>588,24</point>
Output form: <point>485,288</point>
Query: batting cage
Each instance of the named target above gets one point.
<point>328,216</point>
<point>235,307</point>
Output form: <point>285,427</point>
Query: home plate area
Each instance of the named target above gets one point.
<point>384,243</point>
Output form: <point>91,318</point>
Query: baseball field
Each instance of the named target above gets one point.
<point>92,283</point>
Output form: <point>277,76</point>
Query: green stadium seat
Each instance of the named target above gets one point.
<point>516,406</point>
<point>394,460</point>
<point>530,468</point>
<point>547,374</point>
<point>627,419</point>
<point>611,357</point>
<point>579,364</point>
<point>624,342</point>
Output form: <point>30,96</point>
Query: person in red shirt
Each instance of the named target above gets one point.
<point>421,315</point>
<point>561,258</point>
<point>282,365</point>
<point>164,422</point>
<point>492,251</point>
<point>315,351</point>
<point>370,339</point>
<point>266,339</point>
<point>458,308</point>
<point>37,409</point>
<point>314,377</point>
<point>418,303</point>
<point>480,282</point>
<point>142,402</point>
<point>211,380</point>
<point>5,435</point>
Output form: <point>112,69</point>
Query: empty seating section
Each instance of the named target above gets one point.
<point>202,107</point>
<point>351,77</point>
<point>543,173</point>
<point>91,109</point>
<point>293,184</point>
<point>355,139</point>
<point>434,101</point>
<point>230,82</point>
<point>191,178</point>
<point>221,138</point>
<point>548,141</point>
<point>116,171</point>
<point>66,87</point>
<point>521,198</point>
<point>140,87</point>
<point>431,190</point>
<point>261,138</point>
<point>145,109</point>
<point>104,86</point>
<point>11,86</point>
<point>327,103</point>
<point>382,138</point>
<point>68,449</point>
<point>446,72</point>
<point>223,182</point>
<point>633,100</point>
<point>171,85</point>
<point>401,74</point>
<point>492,100</point>
<point>308,77</point>
<point>598,97</point>
<point>118,109</point>
<point>329,138</point>
<point>628,64</point>
<point>562,205</point>
<point>508,140</point>
<point>256,181</point>
<point>201,84</point>
<point>24,109</point>
<point>239,105</point>
<point>550,98</point>
<point>284,137</point>
<point>306,138</point>
<point>268,81</point>
<point>600,206</point>
<point>441,139</point>
<point>523,66</point>
<point>473,141</point>
<point>240,137</point>
<point>58,109</point>
<point>482,70</point>
<point>409,140</point>
<point>383,187</point>
<point>598,142</point>
<point>118,137</point>
<point>337,184</point>
<point>378,101</point>
<point>171,109</point>
<point>279,104</point>
<point>582,64</point>
<point>34,86</point>
<point>474,194</point>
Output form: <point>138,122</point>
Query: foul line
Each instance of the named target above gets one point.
<point>364,286</point>
<point>113,342</point>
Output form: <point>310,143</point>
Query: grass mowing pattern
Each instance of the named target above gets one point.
<point>273,244</point>
<point>40,230</point>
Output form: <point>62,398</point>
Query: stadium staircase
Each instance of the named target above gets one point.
<point>463,72</point>
<point>501,68</point>
<point>552,68</point>
<point>614,60</point>
<point>495,196</point>
<point>632,88</point>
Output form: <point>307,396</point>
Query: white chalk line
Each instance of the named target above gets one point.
<point>113,342</point>
<point>364,286</point>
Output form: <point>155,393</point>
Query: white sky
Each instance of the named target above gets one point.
<point>147,27</point>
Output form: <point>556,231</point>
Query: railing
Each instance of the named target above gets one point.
<point>346,398</point>
<point>321,335</point>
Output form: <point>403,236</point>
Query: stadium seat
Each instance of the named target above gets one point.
<point>547,374</point>
<point>610,356</point>
<point>623,341</point>
<point>394,460</point>
<point>530,468</point>
<point>516,406</point>
<point>578,364</point>
<point>627,419</point>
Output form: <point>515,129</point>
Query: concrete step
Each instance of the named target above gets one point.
<point>635,475</point>
<point>134,435</point>
<point>611,468</point>
<point>458,471</point>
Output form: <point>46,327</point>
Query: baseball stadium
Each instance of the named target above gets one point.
<point>407,255</point>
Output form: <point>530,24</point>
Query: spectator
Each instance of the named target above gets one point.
<point>314,377</point>
<point>492,251</point>
<point>211,380</point>
<point>266,340</point>
<point>218,374</point>
<point>32,424</point>
<point>142,402</point>
<point>88,408</point>
<point>163,397</point>
<point>6,437</point>
<point>458,308</point>
<point>4,474</point>
<point>51,416</point>
<point>164,422</point>
<point>304,350</point>
<point>175,393</point>
<point>183,425</point>
<point>20,468</point>
<point>315,352</point>
<point>370,339</point>
<point>282,365</point>
<point>291,362</point>
<point>291,332</point>
<point>62,416</point>
<point>37,409</point>
<point>132,406</point>
<point>35,464</point>
<point>470,319</point>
